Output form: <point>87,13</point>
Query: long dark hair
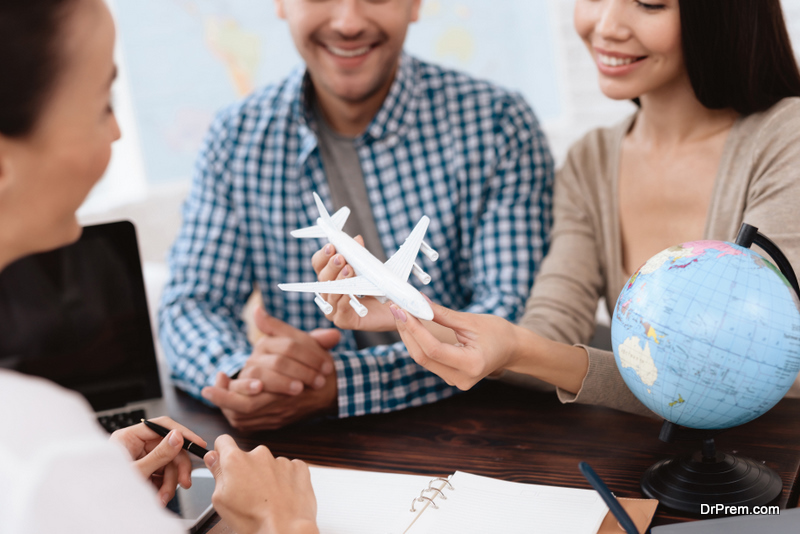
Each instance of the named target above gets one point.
<point>30,32</point>
<point>738,54</point>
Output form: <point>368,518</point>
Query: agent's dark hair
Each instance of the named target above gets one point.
<point>738,54</point>
<point>30,34</point>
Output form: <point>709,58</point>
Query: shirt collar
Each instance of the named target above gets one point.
<point>299,93</point>
<point>393,116</point>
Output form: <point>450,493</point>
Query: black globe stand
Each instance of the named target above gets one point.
<point>749,235</point>
<point>688,481</point>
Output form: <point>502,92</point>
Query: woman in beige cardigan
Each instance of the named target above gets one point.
<point>716,141</point>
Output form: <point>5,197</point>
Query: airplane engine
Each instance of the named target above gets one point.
<point>360,309</point>
<point>428,251</point>
<point>421,275</point>
<point>323,305</point>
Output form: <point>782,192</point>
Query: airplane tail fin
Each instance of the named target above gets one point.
<point>323,213</point>
<point>337,220</point>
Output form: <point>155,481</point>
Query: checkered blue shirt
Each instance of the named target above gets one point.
<point>466,153</point>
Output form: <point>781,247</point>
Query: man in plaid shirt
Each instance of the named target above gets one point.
<point>392,137</point>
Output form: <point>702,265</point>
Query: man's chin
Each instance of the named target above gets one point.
<point>357,93</point>
<point>357,87</point>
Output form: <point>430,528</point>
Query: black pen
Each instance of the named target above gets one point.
<point>190,446</point>
<point>613,504</point>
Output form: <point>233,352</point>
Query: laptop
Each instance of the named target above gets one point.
<point>78,316</point>
<point>785,522</point>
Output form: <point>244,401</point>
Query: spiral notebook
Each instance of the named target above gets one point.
<point>364,502</point>
<point>368,502</point>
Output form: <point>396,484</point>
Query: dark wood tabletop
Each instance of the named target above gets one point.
<point>510,433</point>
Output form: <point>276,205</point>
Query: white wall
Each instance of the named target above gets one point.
<point>125,191</point>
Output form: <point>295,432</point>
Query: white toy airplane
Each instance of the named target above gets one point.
<point>373,278</point>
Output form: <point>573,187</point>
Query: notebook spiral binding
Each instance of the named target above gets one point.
<point>436,492</point>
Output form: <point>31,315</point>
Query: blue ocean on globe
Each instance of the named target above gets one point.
<point>707,334</point>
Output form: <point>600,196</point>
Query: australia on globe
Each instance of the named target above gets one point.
<point>707,334</point>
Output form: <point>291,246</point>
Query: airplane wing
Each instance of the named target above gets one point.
<point>340,217</point>
<point>402,260</point>
<point>358,285</point>
<point>310,231</point>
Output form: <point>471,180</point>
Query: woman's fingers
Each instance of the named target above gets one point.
<point>140,440</point>
<point>452,319</point>
<point>184,468</point>
<point>224,446</point>
<point>448,374</point>
<point>459,365</point>
<point>166,422</point>
<point>164,453</point>
<point>428,344</point>
<point>169,483</point>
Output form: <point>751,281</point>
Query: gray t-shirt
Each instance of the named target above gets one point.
<point>346,183</point>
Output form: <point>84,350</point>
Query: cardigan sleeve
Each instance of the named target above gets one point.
<point>563,302</point>
<point>603,386</point>
<point>564,299</point>
<point>773,197</point>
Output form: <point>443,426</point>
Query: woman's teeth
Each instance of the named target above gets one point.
<point>615,61</point>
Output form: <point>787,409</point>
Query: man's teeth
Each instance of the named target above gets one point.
<point>348,53</point>
<point>615,61</point>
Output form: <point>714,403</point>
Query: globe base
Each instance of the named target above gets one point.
<point>688,481</point>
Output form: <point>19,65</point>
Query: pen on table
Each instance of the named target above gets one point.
<point>613,504</point>
<point>190,446</point>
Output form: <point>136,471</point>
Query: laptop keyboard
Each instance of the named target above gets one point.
<point>120,420</point>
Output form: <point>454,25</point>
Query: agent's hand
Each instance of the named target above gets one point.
<point>160,460</point>
<point>332,266</point>
<point>256,492</point>
<point>485,344</point>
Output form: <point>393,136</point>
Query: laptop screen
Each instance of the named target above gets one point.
<point>78,316</point>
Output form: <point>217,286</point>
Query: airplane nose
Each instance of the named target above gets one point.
<point>423,310</point>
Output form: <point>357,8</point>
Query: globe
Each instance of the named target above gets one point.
<point>707,334</point>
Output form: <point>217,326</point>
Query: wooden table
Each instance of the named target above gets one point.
<point>510,433</point>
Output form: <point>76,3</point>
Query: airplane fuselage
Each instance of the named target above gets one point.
<point>365,264</point>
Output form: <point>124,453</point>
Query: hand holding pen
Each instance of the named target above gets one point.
<point>162,461</point>
<point>187,445</point>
